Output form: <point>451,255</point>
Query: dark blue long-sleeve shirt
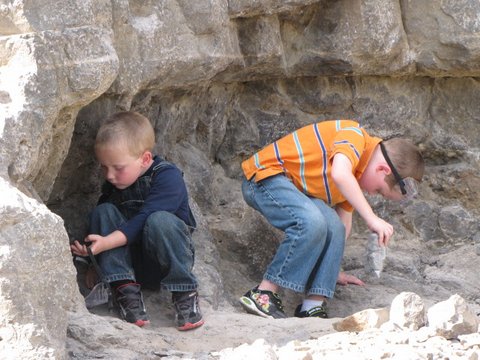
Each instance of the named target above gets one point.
<point>168,192</point>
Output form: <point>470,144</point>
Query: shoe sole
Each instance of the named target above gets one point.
<point>252,308</point>
<point>141,323</point>
<point>190,326</point>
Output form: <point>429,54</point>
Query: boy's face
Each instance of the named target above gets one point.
<point>373,182</point>
<point>119,167</point>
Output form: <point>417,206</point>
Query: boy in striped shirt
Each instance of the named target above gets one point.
<point>308,184</point>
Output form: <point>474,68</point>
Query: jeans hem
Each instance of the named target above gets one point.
<point>285,284</point>
<point>118,277</point>
<point>322,292</point>
<point>180,287</point>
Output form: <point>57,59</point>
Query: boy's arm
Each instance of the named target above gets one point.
<point>167,193</point>
<point>343,277</point>
<point>346,219</point>
<point>348,185</point>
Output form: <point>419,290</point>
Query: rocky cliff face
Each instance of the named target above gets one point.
<point>220,79</point>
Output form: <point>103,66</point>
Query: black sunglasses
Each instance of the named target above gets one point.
<point>397,176</point>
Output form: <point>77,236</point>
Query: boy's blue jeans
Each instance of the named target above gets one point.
<point>308,259</point>
<point>165,243</point>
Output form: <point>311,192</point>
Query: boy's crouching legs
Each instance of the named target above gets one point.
<point>116,266</point>
<point>167,240</point>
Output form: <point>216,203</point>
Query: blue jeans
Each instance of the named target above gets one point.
<point>309,257</point>
<point>165,246</point>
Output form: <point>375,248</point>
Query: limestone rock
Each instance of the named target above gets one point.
<point>453,317</point>
<point>366,319</point>
<point>408,310</point>
<point>219,80</point>
<point>36,285</point>
<point>470,340</point>
<point>260,348</point>
<point>444,24</point>
<point>46,78</point>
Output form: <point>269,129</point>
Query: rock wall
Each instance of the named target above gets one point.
<point>219,80</point>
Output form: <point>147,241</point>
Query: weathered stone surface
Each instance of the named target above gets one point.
<point>443,36</point>
<point>170,44</point>
<point>366,319</point>
<point>46,78</point>
<point>249,8</point>
<point>37,286</point>
<point>219,80</point>
<point>259,348</point>
<point>408,311</point>
<point>453,317</point>
<point>388,342</point>
<point>470,340</point>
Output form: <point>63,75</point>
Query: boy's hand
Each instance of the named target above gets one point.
<point>79,249</point>
<point>383,229</point>
<point>345,279</point>
<point>98,243</point>
<point>94,242</point>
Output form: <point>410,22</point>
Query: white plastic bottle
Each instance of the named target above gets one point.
<point>375,256</point>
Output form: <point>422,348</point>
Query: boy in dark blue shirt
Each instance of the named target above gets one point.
<point>143,213</point>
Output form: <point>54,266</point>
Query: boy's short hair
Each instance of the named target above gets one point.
<point>406,158</point>
<point>129,128</point>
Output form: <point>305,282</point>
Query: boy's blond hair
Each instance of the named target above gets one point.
<point>127,128</point>
<point>406,159</point>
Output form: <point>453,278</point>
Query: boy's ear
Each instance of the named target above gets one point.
<point>146,158</point>
<point>383,167</point>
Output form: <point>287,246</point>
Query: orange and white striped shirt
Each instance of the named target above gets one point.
<point>305,156</point>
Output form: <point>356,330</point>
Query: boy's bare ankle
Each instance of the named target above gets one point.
<point>268,286</point>
<point>316,298</point>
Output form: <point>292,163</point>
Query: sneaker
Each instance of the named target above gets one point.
<point>99,295</point>
<point>264,303</point>
<point>187,310</point>
<point>130,303</point>
<point>316,311</point>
